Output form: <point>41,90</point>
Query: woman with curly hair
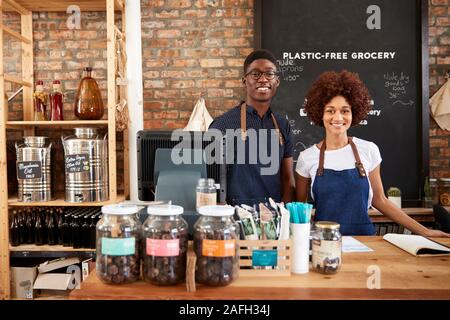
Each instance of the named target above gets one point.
<point>344,171</point>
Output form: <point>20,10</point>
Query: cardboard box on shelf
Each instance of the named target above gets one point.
<point>22,280</point>
<point>59,274</point>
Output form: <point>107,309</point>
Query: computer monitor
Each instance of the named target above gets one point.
<point>149,141</point>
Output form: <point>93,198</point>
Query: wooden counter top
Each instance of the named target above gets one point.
<point>403,276</point>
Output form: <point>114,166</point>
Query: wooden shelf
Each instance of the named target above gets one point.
<point>54,248</point>
<point>68,123</point>
<point>62,5</point>
<point>47,251</point>
<point>59,202</point>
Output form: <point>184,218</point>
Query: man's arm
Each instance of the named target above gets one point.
<point>287,180</point>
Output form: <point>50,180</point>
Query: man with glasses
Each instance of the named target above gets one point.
<point>263,167</point>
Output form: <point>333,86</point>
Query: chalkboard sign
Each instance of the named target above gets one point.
<point>29,170</point>
<point>77,163</point>
<point>381,40</point>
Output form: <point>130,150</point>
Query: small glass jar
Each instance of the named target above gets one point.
<point>165,245</point>
<point>206,193</point>
<point>326,247</point>
<point>215,245</point>
<point>118,239</point>
<point>444,191</point>
<point>434,191</point>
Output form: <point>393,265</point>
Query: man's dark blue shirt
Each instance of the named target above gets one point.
<point>245,183</point>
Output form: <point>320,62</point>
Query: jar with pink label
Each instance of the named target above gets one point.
<point>165,245</point>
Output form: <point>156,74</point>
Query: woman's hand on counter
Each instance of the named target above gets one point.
<point>437,234</point>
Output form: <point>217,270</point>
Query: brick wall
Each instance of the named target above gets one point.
<point>193,48</point>
<point>439,50</point>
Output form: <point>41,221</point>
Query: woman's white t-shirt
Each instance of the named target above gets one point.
<point>340,159</point>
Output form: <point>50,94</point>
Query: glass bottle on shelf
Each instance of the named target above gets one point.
<point>14,230</point>
<point>40,100</point>
<point>56,102</point>
<point>88,101</point>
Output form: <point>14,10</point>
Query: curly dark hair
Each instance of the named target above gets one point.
<point>331,84</point>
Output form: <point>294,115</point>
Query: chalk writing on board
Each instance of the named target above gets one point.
<point>396,84</point>
<point>409,103</point>
<point>289,71</point>
<point>295,131</point>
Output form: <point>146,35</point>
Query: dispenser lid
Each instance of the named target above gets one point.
<point>165,210</point>
<point>35,141</point>
<point>85,132</point>
<point>120,209</point>
<point>216,211</point>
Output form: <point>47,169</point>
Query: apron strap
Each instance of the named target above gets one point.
<point>358,163</point>
<point>244,124</point>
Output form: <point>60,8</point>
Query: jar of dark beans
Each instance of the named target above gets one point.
<point>326,247</point>
<point>215,237</point>
<point>165,244</point>
<point>118,240</point>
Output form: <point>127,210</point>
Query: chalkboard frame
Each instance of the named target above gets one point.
<point>421,36</point>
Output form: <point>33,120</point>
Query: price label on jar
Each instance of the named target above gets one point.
<point>163,248</point>
<point>77,163</point>
<point>29,170</point>
<point>219,248</point>
<point>118,246</point>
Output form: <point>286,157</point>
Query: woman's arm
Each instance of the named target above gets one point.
<point>287,180</point>
<point>302,187</point>
<point>390,210</point>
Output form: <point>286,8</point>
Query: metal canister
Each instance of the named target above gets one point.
<point>33,164</point>
<point>86,166</point>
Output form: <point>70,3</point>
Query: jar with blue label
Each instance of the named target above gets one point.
<point>118,243</point>
<point>165,242</point>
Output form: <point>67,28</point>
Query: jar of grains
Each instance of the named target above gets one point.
<point>165,245</point>
<point>326,247</point>
<point>118,241</point>
<point>215,245</point>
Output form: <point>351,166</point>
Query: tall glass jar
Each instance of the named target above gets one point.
<point>215,245</point>
<point>326,247</point>
<point>118,241</point>
<point>165,245</point>
<point>40,102</point>
<point>88,101</point>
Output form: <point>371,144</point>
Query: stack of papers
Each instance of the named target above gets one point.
<point>350,244</point>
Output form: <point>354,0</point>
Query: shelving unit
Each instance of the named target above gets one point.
<point>116,92</point>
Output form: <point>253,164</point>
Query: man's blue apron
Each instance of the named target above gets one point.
<point>342,196</point>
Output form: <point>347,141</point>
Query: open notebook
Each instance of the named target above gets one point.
<point>417,245</point>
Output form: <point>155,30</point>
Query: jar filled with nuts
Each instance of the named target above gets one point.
<point>215,245</point>
<point>326,247</point>
<point>165,241</point>
<point>118,242</point>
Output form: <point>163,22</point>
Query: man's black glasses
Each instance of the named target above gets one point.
<point>255,74</point>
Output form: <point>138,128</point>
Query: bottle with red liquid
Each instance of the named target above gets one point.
<point>56,102</point>
<point>40,100</point>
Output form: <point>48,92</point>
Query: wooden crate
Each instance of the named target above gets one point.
<point>246,251</point>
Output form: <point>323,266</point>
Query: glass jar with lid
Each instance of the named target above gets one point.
<point>326,247</point>
<point>165,245</point>
<point>118,240</point>
<point>444,191</point>
<point>206,193</point>
<point>215,245</point>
